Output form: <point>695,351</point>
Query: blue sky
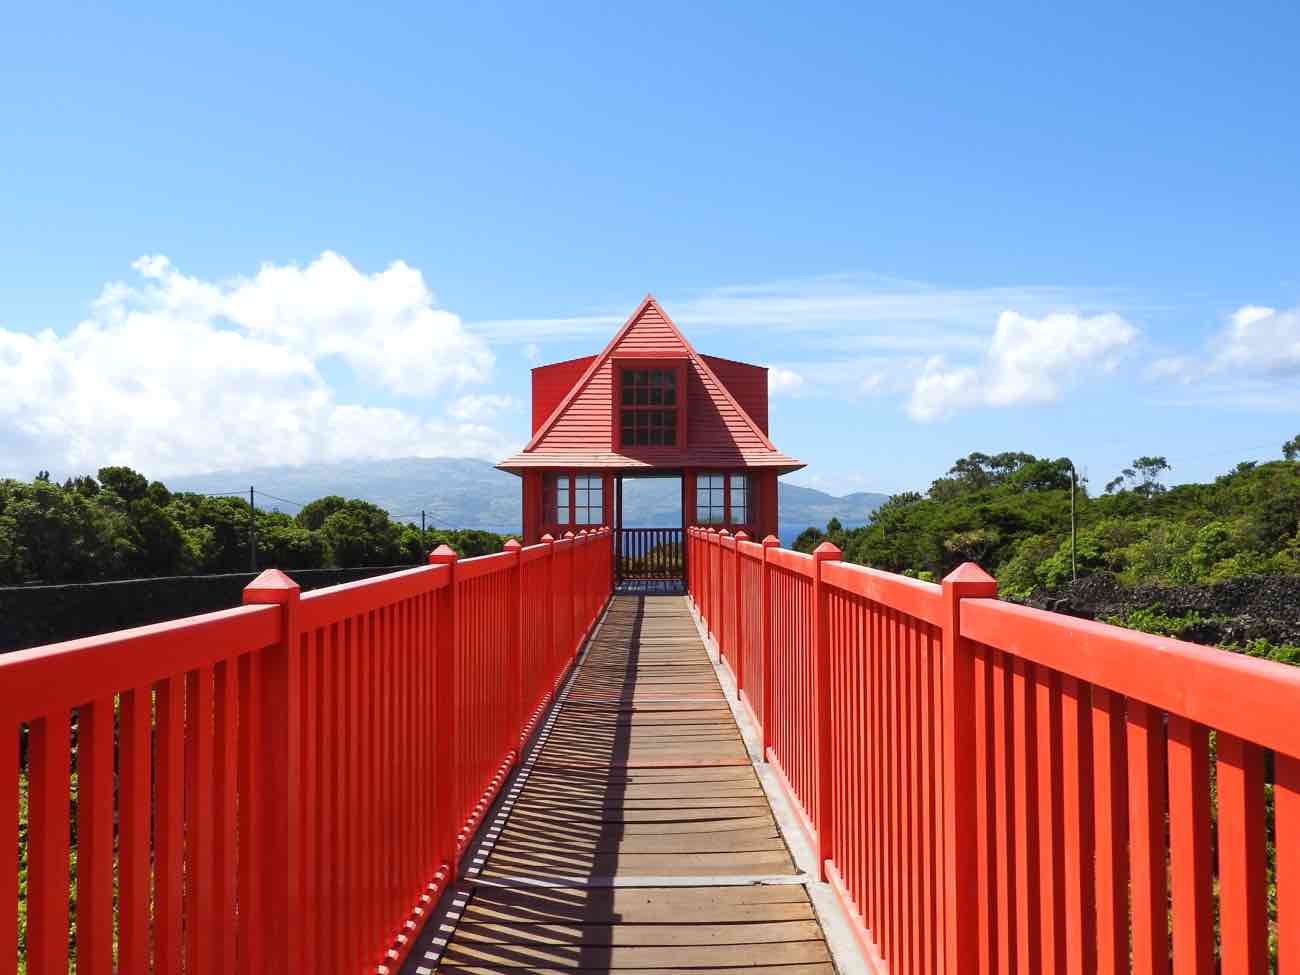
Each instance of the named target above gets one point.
<point>235,235</point>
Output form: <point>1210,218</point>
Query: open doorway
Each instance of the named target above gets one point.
<point>649,530</point>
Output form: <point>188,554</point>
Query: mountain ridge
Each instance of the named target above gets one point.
<point>463,492</point>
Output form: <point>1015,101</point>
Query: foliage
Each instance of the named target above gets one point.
<point>1010,512</point>
<point>121,525</point>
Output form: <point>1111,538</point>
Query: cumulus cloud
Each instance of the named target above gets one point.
<point>1260,340</point>
<point>172,373</point>
<point>1029,361</point>
<point>781,380</point>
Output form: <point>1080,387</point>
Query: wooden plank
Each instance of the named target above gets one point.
<point>738,841</point>
<point>637,956</point>
<point>561,862</point>
<point>700,901</point>
<point>638,935</point>
<point>824,968</point>
<point>643,773</point>
<point>584,913</point>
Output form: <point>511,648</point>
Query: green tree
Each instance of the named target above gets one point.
<point>124,482</point>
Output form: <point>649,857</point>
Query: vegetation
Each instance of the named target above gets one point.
<point>1010,512</point>
<point>121,525</point>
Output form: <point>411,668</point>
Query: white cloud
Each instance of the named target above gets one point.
<point>480,407</point>
<point>175,374</point>
<point>1252,360</point>
<point>848,312</point>
<point>531,352</point>
<point>1029,361</point>
<point>1259,340</point>
<point>781,380</point>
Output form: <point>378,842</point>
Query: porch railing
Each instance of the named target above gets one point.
<point>991,788</point>
<point>295,778</point>
<point>650,553</point>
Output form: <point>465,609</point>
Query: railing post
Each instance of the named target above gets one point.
<point>711,560</point>
<point>738,640</point>
<point>570,628</point>
<point>517,640</point>
<point>552,643</point>
<point>444,713</point>
<point>720,636</point>
<point>275,846</point>
<point>765,608</point>
<point>961,880</point>
<point>825,552</point>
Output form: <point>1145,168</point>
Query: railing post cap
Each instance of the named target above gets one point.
<point>968,575</point>
<point>548,539</point>
<point>443,554</point>
<point>272,586</point>
<point>827,552</point>
<point>713,531</point>
<point>511,545</point>
<point>742,536</point>
<point>568,534</point>
<point>771,542</point>
<point>725,532</point>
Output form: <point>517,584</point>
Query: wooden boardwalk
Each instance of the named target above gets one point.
<point>638,837</point>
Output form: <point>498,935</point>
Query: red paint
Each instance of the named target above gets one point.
<point>998,780</point>
<point>317,761</point>
<point>721,418</point>
<point>551,383</point>
<point>747,385</point>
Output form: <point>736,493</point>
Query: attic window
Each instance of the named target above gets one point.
<point>648,410</point>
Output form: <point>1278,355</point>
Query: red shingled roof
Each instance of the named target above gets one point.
<point>720,433</point>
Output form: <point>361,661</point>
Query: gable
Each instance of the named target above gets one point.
<point>714,419</point>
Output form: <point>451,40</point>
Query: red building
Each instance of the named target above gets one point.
<point>649,405</point>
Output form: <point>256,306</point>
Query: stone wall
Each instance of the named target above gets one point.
<point>34,615</point>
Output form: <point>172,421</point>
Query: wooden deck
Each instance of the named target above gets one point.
<point>637,838</point>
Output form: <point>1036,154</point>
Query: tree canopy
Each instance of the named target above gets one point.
<point>1010,512</point>
<point>121,525</point>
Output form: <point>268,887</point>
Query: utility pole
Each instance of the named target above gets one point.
<point>252,530</point>
<point>1074,566</point>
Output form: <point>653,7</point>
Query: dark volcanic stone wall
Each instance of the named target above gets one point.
<point>34,615</point>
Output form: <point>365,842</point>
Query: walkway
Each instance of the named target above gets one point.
<point>638,836</point>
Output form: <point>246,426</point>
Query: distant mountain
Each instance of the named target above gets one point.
<point>804,507</point>
<point>464,493</point>
<point>454,492</point>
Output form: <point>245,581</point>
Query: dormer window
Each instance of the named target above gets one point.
<point>649,406</point>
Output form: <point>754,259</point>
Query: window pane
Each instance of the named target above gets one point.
<point>628,376</point>
<point>670,437</point>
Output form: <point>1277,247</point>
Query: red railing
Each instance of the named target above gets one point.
<point>991,788</point>
<point>295,778</point>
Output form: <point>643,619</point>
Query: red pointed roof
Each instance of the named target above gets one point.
<point>719,430</point>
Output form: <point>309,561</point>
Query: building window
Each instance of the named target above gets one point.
<point>555,499</point>
<point>569,499</point>
<point>738,499</point>
<point>711,499</point>
<point>588,499</point>
<point>648,404</point>
<point>722,499</point>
